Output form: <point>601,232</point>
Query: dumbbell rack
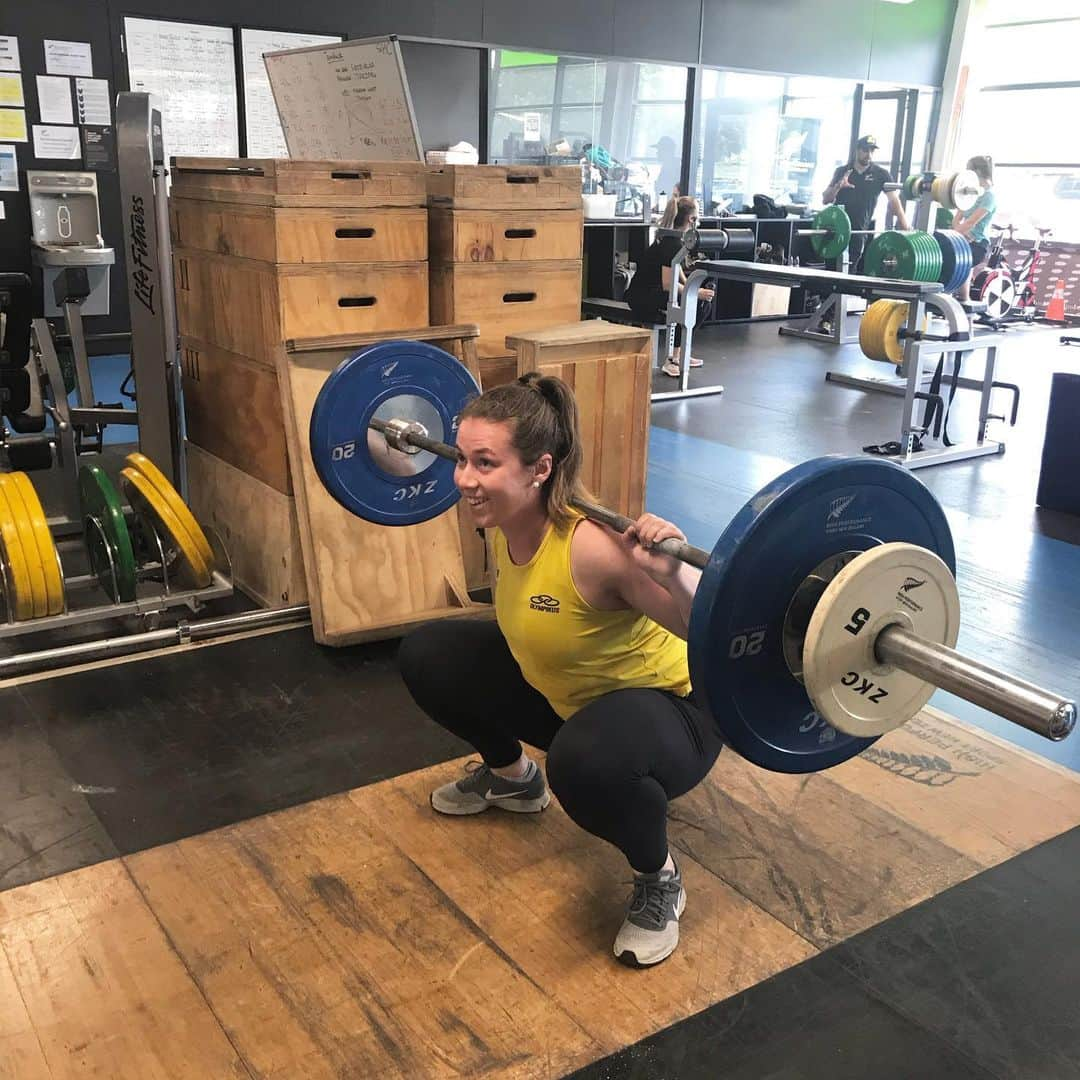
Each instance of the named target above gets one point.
<point>153,603</point>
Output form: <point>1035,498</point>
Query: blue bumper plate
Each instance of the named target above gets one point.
<point>408,380</point>
<point>806,516</point>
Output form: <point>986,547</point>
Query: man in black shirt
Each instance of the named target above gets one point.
<point>856,186</point>
<point>650,287</point>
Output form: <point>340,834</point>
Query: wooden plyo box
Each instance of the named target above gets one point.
<point>608,368</point>
<point>250,307</point>
<point>506,298</point>
<point>232,408</point>
<point>506,187</point>
<point>257,525</point>
<point>497,236</point>
<point>285,182</point>
<point>312,235</point>
<point>367,580</point>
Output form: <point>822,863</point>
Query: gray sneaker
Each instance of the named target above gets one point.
<point>480,789</point>
<point>650,931</point>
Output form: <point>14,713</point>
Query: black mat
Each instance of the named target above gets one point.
<point>980,981</point>
<point>176,745</point>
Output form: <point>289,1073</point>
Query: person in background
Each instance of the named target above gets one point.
<point>667,179</point>
<point>975,222</point>
<point>650,287</point>
<point>856,187</point>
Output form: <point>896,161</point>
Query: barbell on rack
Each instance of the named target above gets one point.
<point>826,613</point>
<point>831,231</point>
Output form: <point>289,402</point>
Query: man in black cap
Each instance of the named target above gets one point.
<point>856,187</point>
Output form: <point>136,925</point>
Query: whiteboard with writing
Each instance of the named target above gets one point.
<point>191,71</point>
<point>265,138</point>
<point>347,102</point>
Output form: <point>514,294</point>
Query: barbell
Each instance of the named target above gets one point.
<point>826,613</point>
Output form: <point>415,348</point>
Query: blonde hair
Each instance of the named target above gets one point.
<point>543,419</point>
<point>678,211</point>
<point>982,165</point>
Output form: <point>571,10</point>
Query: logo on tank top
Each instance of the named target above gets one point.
<point>545,603</point>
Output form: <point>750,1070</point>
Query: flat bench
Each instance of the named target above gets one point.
<point>618,311</point>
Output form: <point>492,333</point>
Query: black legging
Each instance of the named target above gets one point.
<point>613,765</point>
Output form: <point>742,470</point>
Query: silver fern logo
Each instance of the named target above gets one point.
<point>838,506</point>
<point>389,369</point>
<point>911,583</point>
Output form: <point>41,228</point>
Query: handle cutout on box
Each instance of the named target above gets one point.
<point>356,301</point>
<point>518,297</point>
<point>354,234</point>
<point>363,174</point>
<point>512,179</point>
<point>519,234</point>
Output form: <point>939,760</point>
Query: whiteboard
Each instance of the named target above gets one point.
<point>191,71</point>
<point>265,138</point>
<point>347,102</point>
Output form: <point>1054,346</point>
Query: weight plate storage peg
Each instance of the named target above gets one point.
<point>821,510</point>
<point>895,584</point>
<point>107,538</point>
<point>16,570</point>
<point>356,464</point>
<point>835,221</point>
<point>187,564</point>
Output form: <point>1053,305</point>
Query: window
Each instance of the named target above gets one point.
<point>1024,115</point>
<point>623,122</point>
<point>771,135</point>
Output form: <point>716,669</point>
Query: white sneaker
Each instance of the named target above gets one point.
<point>696,361</point>
<point>673,369</point>
<point>650,931</point>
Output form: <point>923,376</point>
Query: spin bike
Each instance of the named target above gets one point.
<point>1008,292</point>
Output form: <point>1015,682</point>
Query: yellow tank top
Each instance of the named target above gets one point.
<point>568,650</point>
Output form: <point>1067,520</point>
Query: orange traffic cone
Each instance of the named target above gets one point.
<point>1055,311</point>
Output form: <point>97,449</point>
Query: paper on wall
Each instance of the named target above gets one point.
<point>9,169</point>
<point>54,99</point>
<point>68,58</point>
<point>11,92</point>
<point>56,143</point>
<point>9,54</point>
<point>13,125</point>
<point>92,98</point>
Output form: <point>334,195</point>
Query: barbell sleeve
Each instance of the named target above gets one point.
<point>1023,703</point>
<point>679,549</point>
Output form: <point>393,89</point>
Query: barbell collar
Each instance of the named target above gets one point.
<point>679,549</point>
<point>1023,703</point>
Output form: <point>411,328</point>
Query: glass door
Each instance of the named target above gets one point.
<point>889,115</point>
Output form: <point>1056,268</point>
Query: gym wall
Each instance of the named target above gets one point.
<point>853,39</point>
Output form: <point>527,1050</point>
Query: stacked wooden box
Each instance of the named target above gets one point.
<point>265,252</point>
<point>283,270</point>
<point>505,250</point>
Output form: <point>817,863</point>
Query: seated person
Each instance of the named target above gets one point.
<point>650,288</point>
